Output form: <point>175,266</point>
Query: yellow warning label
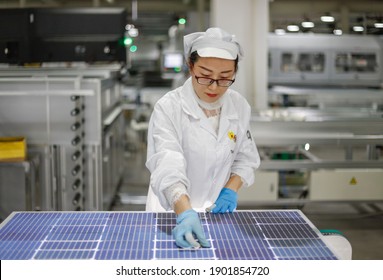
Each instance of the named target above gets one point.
<point>353,181</point>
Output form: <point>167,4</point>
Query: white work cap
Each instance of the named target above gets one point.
<point>215,42</point>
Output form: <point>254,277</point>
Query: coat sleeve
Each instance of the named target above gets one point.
<point>247,159</point>
<point>165,158</point>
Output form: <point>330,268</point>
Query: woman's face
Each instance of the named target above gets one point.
<point>214,68</point>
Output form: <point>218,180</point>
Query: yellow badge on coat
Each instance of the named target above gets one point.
<point>232,136</point>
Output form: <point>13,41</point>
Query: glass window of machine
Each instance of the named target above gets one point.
<point>311,62</point>
<point>288,64</point>
<point>303,62</point>
<point>356,62</point>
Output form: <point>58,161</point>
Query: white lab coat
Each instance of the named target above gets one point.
<point>183,147</point>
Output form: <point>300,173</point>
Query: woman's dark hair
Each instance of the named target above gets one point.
<point>193,58</point>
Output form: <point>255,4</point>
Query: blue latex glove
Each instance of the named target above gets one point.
<point>226,201</point>
<point>188,223</point>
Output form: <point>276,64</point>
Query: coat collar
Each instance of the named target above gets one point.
<point>189,104</point>
<point>191,107</point>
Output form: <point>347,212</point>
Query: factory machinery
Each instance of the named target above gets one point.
<point>322,137</point>
<point>325,71</point>
<point>74,128</point>
<point>60,89</point>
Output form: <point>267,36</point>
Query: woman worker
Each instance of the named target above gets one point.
<point>200,149</point>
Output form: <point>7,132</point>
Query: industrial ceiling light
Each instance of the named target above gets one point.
<point>293,28</point>
<point>327,18</point>
<point>279,31</point>
<point>358,28</point>
<point>338,32</point>
<point>307,24</point>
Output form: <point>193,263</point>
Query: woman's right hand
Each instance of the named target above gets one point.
<point>188,233</point>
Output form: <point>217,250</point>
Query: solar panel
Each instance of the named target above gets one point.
<point>242,235</point>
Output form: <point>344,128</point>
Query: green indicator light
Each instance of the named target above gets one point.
<point>182,21</point>
<point>133,48</point>
<point>128,41</point>
<point>177,69</point>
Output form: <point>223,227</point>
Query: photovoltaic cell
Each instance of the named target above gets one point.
<point>242,235</point>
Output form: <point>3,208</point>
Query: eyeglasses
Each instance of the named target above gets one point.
<point>208,81</point>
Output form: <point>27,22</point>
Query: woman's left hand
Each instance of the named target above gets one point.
<point>226,201</point>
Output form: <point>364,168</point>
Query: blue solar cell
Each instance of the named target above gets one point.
<point>16,254</point>
<point>163,232</point>
<point>287,231</point>
<point>64,254</point>
<point>202,253</point>
<point>242,235</point>
<point>58,245</point>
